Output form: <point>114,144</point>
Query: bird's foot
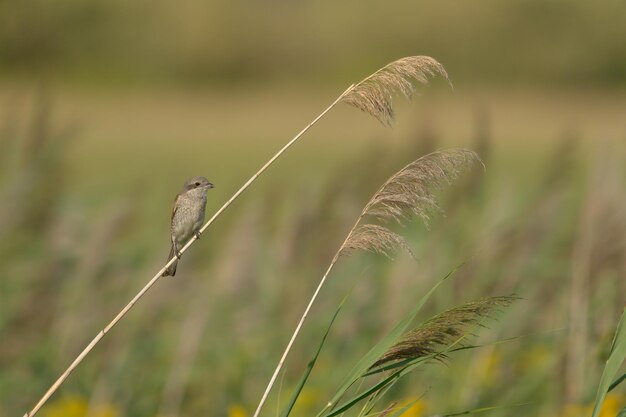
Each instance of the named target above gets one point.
<point>198,234</point>
<point>178,255</point>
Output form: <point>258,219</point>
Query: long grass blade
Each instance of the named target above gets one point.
<point>617,382</point>
<point>382,385</point>
<point>309,367</point>
<point>613,363</point>
<point>377,387</point>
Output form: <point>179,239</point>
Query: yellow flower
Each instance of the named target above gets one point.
<point>418,409</point>
<point>67,407</point>
<point>536,357</point>
<point>489,368</point>
<point>613,404</point>
<point>575,410</point>
<point>75,406</point>
<point>308,400</point>
<point>237,410</point>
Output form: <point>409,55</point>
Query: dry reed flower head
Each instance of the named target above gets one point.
<point>443,329</point>
<point>374,95</point>
<point>408,192</point>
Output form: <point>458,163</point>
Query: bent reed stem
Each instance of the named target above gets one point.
<point>281,362</point>
<point>158,275</point>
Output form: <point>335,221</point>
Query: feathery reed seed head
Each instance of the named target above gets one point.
<point>374,95</point>
<point>443,329</point>
<point>377,239</point>
<point>408,192</point>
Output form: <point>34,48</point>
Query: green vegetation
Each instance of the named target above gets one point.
<point>135,97</point>
<point>207,341</point>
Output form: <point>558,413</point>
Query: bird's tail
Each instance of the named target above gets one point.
<point>171,270</point>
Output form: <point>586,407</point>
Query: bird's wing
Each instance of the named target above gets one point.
<point>175,206</point>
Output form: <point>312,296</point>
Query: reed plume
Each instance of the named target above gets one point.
<point>408,192</point>
<point>373,95</point>
<point>443,330</point>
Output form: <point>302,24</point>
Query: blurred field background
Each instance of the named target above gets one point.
<point>107,107</point>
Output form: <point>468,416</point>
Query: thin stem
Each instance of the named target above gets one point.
<point>293,338</point>
<point>158,275</point>
<point>281,362</point>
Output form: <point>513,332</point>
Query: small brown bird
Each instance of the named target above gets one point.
<point>187,217</point>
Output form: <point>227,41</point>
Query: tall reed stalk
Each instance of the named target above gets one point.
<point>373,95</point>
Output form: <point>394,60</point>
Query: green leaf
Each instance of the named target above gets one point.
<point>616,358</point>
<point>616,382</point>
<point>622,413</point>
<point>309,367</point>
<point>382,384</point>
<point>386,382</point>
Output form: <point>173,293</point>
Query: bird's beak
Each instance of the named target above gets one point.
<point>209,185</point>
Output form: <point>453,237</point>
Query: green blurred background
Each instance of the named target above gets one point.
<point>106,107</point>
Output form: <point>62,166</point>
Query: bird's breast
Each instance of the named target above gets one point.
<point>188,217</point>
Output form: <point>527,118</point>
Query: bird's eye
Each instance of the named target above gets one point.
<point>197,184</point>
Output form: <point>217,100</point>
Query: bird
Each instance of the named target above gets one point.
<point>187,217</point>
